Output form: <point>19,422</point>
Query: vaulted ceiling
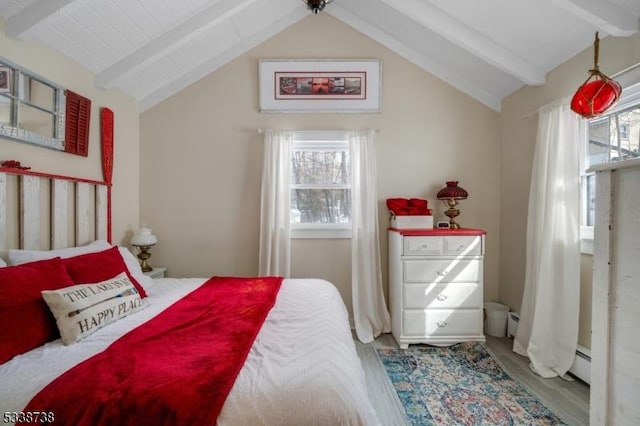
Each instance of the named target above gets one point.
<point>151,49</point>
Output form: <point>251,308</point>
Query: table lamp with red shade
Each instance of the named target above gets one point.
<point>451,194</point>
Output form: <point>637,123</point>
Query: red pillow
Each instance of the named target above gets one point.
<point>99,266</point>
<point>25,318</point>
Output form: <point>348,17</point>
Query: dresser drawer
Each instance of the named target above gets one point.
<point>442,323</point>
<point>442,270</point>
<point>442,296</point>
<point>423,246</point>
<point>465,245</point>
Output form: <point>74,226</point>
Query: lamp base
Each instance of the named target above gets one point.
<point>453,224</point>
<point>144,256</point>
<point>452,213</point>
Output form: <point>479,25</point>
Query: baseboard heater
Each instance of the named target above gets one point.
<point>581,367</point>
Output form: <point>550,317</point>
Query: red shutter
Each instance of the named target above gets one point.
<point>76,136</point>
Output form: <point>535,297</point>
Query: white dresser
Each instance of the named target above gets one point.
<point>435,286</point>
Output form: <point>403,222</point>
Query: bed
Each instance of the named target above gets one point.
<point>300,366</point>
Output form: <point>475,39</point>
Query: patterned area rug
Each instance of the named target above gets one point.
<point>460,385</point>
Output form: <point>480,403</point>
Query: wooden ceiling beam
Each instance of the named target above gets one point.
<point>435,19</point>
<point>606,16</point>
<point>218,60</point>
<point>423,61</point>
<point>34,14</point>
<point>220,11</point>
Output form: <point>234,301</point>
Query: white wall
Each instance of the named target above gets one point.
<point>58,68</point>
<point>202,158</point>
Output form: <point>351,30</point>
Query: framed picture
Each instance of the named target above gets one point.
<point>5,79</point>
<point>320,86</point>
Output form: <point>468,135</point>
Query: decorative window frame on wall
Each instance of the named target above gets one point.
<point>16,94</point>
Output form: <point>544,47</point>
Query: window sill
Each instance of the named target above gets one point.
<point>586,240</point>
<point>328,233</point>
<point>586,246</point>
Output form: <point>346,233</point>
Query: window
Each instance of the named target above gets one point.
<point>320,185</point>
<point>611,137</point>
<point>624,131</point>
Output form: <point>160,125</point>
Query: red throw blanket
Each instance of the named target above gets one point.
<point>176,369</point>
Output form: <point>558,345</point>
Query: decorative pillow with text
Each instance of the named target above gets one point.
<point>83,309</point>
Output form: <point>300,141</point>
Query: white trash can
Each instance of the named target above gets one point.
<point>496,319</point>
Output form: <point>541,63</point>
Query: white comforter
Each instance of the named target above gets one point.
<point>302,369</point>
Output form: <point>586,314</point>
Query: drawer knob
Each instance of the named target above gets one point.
<point>441,324</point>
<point>442,297</point>
<point>424,246</point>
<point>442,273</point>
<point>461,247</point>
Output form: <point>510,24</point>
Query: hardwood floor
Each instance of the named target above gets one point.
<point>567,399</point>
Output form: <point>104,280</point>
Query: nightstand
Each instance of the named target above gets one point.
<point>158,272</point>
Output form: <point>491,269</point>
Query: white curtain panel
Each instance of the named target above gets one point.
<point>275,227</point>
<point>548,328</point>
<point>370,312</point>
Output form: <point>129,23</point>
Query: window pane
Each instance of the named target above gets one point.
<point>626,133</point>
<point>320,206</point>
<point>615,137</point>
<point>5,110</point>
<point>37,93</point>
<point>599,140</point>
<point>320,167</point>
<point>36,121</point>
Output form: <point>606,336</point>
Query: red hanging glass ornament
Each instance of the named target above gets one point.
<point>598,93</point>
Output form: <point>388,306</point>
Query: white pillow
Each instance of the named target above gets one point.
<point>83,309</point>
<point>17,257</point>
<point>2,263</point>
<point>135,269</point>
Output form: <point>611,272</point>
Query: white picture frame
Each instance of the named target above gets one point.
<point>326,86</point>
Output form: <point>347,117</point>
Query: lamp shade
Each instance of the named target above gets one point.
<point>143,237</point>
<point>452,192</point>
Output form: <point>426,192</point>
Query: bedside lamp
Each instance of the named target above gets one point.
<point>452,193</point>
<point>143,239</point>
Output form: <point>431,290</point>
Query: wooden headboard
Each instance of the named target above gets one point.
<point>44,211</point>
